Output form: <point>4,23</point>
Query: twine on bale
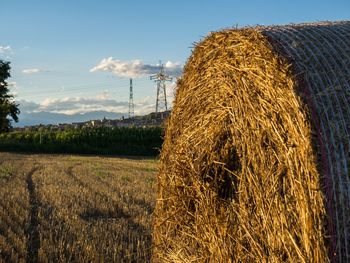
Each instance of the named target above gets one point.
<point>254,165</point>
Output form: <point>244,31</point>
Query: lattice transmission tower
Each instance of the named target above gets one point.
<point>160,78</point>
<point>131,101</point>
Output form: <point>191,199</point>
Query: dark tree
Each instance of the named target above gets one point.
<point>8,107</point>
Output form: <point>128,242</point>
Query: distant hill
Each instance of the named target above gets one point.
<point>30,119</point>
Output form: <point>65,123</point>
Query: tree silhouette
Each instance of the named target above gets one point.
<point>8,107</point>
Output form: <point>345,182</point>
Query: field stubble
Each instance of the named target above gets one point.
<point>61,208</point>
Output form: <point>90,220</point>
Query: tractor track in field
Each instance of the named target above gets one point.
<point>33,237</point>
<point>118,213</point>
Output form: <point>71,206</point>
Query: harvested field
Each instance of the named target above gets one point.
<point>62,208</point>
<point>255,163</point>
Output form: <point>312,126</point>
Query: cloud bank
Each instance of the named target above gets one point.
<point>82,105</point>
<point>74,105</point>
<point>13,87</point>
<point>4,49</point>
<point>135,68</point>
<point>33,71</point>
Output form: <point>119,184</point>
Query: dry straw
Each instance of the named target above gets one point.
<point>254,167</point>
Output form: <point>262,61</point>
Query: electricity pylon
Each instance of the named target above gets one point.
<point>131,101</point>
<point>160,78</point>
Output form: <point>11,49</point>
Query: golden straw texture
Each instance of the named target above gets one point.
<point>254,167</point>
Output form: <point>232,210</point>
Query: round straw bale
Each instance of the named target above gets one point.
<point>254,166</point>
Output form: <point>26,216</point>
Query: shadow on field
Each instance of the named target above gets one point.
<point>92,214</point>
<point>33,243</point>
<point>113,213</point>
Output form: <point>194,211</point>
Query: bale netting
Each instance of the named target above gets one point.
<point>254,166</point>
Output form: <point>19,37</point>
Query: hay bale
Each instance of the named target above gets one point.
<point>255,162</point>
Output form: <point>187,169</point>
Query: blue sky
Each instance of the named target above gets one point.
<point>53,45</point>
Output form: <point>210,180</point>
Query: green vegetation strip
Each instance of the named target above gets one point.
<point>102,140</point>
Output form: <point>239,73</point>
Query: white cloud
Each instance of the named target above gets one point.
<point>73,105</point>
<point>135,68</point>
<point>76,105</point>
<point>13,87</point>
<point>13,84</point>
<point>4,49</point>
<point>33,70</point>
